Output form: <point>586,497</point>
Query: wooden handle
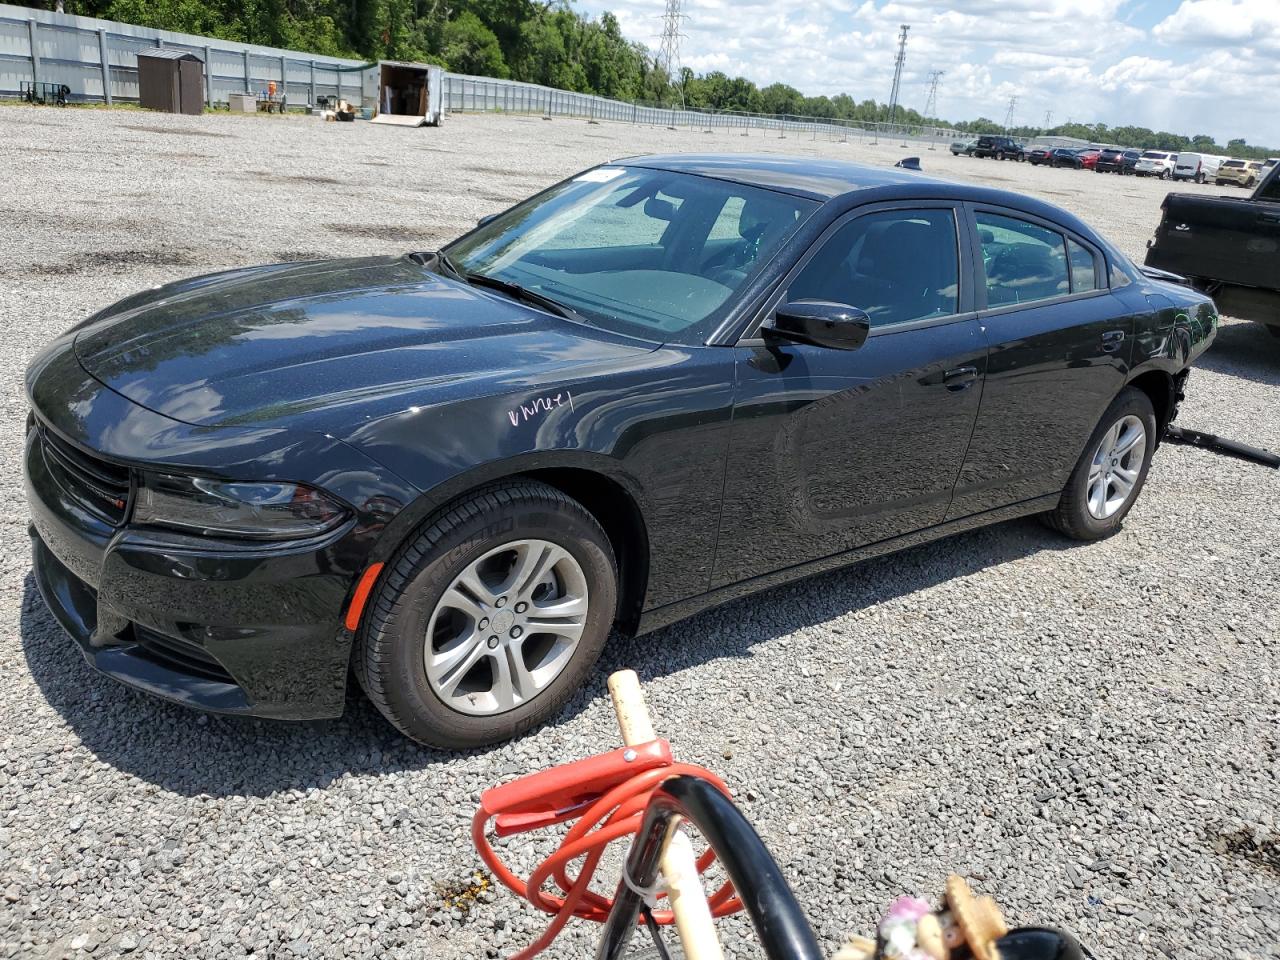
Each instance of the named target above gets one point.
<point>679,866</point>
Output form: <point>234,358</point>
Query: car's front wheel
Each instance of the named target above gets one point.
<point>489,618</point>
<point>1111,471</point>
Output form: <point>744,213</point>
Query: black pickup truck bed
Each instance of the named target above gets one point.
<point>1227,246</point>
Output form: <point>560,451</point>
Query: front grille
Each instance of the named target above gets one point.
<point>100,486</point>
<point>183,655</point>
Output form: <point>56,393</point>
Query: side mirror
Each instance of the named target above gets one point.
<point>821,323</point>
<point>489,218</point>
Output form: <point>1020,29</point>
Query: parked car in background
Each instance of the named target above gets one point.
<point>1000,148</point>
<point>963,148</point>
<point>1199,167</point>
<point>1155,163</point>
<point>1239,173</point>
<point>1226,247</point>
<point>1129,162</point>
<point>453,473</point>
<point>1040,155</point>
<point>1108,160</point>
<point>1268,164</point>
<point>1088,157</point>
<point>1066,157</point>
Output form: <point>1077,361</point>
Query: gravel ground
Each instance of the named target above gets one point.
<point>1089,732</point>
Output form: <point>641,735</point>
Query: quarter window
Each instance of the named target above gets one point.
<point>896,266</point>
<point>1023,262</point>
<point>1083,276</point>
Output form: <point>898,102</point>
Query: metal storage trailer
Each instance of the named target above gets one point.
<point>171,80</point>
<point>406,94</point>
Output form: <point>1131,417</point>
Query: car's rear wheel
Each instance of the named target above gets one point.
<point>489,618</point>
<point>1111,471</point>
<point>999,154</point>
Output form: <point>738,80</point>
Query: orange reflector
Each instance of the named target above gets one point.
<point>363,589</point>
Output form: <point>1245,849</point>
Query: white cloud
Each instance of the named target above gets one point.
<point>1086,60</point>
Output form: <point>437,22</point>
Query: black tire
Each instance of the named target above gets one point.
<point>1218,183</point>
<point>1000,155</point>
<point>1072,517</point>
<point>388,658</point>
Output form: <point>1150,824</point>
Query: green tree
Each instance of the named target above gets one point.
<point>468,46</point>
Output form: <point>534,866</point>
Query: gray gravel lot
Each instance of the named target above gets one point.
<point>1089,732</point>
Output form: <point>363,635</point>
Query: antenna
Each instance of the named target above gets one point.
<point>1008,117</point>
<point>669,45</point>
<point>897,72</point>
<point>931,104</point>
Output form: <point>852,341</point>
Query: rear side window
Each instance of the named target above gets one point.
<point>896,266</point>
<point>1024,262</point>
<point>1083,275</point>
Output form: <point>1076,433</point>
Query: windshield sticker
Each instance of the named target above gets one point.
<point>599,175</point>
<point>540,405</point>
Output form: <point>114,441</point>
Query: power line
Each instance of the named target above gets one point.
<point>1008,117</point>
<point>897,72</point>
<point>931,104</point>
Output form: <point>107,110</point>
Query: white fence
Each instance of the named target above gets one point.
<point>96,60</point>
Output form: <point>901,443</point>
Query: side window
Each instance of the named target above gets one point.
<point>1271,190</point>
<point>896,266</point>
<point>1024,262</point>
<point>1083,276</point>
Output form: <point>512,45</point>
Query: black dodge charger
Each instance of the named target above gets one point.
<point>657,385</point>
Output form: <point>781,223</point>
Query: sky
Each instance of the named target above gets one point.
<point>1186,66</point>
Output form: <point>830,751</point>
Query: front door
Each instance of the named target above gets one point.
<point>833,449</point>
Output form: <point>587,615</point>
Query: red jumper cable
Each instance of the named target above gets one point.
<point>607,796</point>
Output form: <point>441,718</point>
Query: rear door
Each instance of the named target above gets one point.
<point>1059,350</point>
<point>835,449</point>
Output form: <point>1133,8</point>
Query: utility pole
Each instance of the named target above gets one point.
<point>669,45</point>
<point>1008,117</point>
<point>897,72</point>
<point>931,104</point>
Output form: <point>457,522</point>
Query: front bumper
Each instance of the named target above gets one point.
<point>240,631</point>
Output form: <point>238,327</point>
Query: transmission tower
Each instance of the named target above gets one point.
<point>897,72</point>
<point>931,104</point>
<point>669,45</point>
<point>1048,119</point>
<point>1008,117</point>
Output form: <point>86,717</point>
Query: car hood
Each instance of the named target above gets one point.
<point>326,345</point>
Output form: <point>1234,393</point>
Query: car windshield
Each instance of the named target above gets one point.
<point>1234,163</point>
<point>646,253</point>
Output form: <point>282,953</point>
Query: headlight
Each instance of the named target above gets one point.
<point>259,511</point>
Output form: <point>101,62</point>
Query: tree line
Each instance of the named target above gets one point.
<point>548,42</point>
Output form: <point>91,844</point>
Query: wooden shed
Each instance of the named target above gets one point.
<point>171,80</point>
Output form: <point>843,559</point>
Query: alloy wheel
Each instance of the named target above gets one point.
<point>506,627</point>
<point>1116,466</point>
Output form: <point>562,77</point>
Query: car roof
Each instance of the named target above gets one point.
<point>813,177</point>
<point>830,180</point>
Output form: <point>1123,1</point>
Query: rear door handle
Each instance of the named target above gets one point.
<point>960,377</point>
<point>1111,340</point>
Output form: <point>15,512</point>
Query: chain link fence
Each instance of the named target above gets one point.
<point>92,60</point>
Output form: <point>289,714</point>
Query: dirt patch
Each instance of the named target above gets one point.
<point>296,256</point>
<point>106,259</point>
<point>387,231</point>
<point>266,176</point>
<point>1261,850</point>
<point>143,128</point>
<point>461,895</point>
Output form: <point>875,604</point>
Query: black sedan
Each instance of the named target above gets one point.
<point>658,385</point>
<point>1040,155</point>
<point>1064,157</point>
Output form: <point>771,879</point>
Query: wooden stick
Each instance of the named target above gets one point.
<point>679,867</point>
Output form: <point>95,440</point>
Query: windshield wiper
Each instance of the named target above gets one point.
<point>524,293</point>
<point>442,259</point>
